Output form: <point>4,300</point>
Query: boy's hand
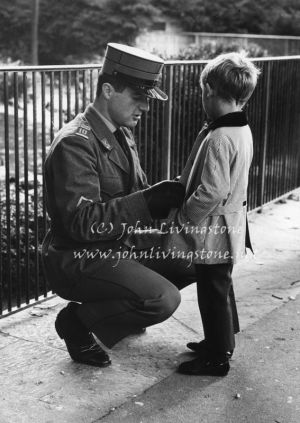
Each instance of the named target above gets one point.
<point>162,197</point>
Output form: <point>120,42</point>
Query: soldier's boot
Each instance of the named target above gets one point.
<point>80,343</point>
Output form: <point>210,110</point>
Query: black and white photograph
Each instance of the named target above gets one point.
<point>150,211</point>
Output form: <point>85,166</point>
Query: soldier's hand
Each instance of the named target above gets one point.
<point>162,197</point>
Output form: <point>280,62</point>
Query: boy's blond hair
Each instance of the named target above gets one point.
<point>232,75</point>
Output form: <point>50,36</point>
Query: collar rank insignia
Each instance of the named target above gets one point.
<point>106,144</point>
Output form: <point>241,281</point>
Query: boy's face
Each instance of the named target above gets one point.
<point>216,106</point>
<point>207,100</point>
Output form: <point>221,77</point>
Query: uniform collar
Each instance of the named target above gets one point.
<point>106,138</point>
<point>230,119</point>
<point>99,128</point>
<point>107,122</point>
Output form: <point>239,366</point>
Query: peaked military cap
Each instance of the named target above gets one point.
<point>136,67</point>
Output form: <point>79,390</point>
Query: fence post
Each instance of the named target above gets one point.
<point>262,161</point>
<point>167,132</point>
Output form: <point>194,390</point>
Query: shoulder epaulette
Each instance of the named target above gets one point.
<point>83,129</point>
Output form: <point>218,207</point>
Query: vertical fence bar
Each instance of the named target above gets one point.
<point>297,107</point>
<point>17,249</point>
<point>51,106</point>
<point>157,142</point>
<point>148,143</point>
<point>189,136</point>
<point>60,100</point>
<point>2,235</point>
<point>173,118</point>
<point>68,97</point>
<point>26,203</point>
<point>265,158</point>
<point>292,129</point>
<point>83,89</point>
<point>43,139</point>
<point>262,162</point>
<point>277,151</point>
<point>184,119</point>
<point>76,92</point>
<point>289,147</point>
<point>35,183</point>
<point>179,123</point>
<point>282,113</point>
<point>194,107</point>
<point>1,261</point>
<point>43,147</point>
<point>289,129</point>
<point>149,164</point>
<point>167,135</point>
<point>8,275</point>
<point>91,85</point>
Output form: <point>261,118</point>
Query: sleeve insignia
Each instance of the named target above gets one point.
<point>81,199</point>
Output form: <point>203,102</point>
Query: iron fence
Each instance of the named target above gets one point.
<point>36,101</point>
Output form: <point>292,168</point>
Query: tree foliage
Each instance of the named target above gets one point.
<point>68,28</point>
<point>15,26</point>
<point>124,19</point>
<point>235,16</point>
<point>71,30</point>
<point>78,30</point>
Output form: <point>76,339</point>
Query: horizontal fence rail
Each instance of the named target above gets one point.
<point>36,101</point>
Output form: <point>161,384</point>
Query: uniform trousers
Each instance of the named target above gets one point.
<point>119,299</point>
<point>216,299</point>
<point>217,306</point>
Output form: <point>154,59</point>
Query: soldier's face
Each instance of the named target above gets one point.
<point>125,108</point>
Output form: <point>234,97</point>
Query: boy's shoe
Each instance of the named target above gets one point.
<point>202,351</point>
<point>200,348</point>
<point>198,367</point>
<point>80,343</point>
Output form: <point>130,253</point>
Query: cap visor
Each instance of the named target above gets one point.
<point>156,93</point>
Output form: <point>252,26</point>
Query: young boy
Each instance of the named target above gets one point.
<point>212,220</point>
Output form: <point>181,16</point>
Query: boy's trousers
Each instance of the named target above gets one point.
<point>217,305</point>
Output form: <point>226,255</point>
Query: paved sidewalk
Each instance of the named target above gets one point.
<point>263,385</point>
<point>40,384</point>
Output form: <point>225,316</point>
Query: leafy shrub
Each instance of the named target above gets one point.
<point>26,231</point>
<point>10,77</point>
<point>211,49</point>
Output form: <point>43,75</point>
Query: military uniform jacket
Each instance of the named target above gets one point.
<point>92,189</point>
<point>211,225</point>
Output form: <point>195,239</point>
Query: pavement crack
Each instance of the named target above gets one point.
<point>185,325</point>
<point>33,341</point>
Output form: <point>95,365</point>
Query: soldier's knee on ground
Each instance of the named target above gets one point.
<point>162,307</point>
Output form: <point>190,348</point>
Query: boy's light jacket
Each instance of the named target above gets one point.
<point>211,225</point>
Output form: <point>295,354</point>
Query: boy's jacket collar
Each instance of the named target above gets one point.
<point>231,119</point>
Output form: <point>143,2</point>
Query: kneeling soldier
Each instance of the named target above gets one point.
<point>95,187</point>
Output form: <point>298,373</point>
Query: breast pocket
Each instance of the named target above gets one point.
<point>111,187</point>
